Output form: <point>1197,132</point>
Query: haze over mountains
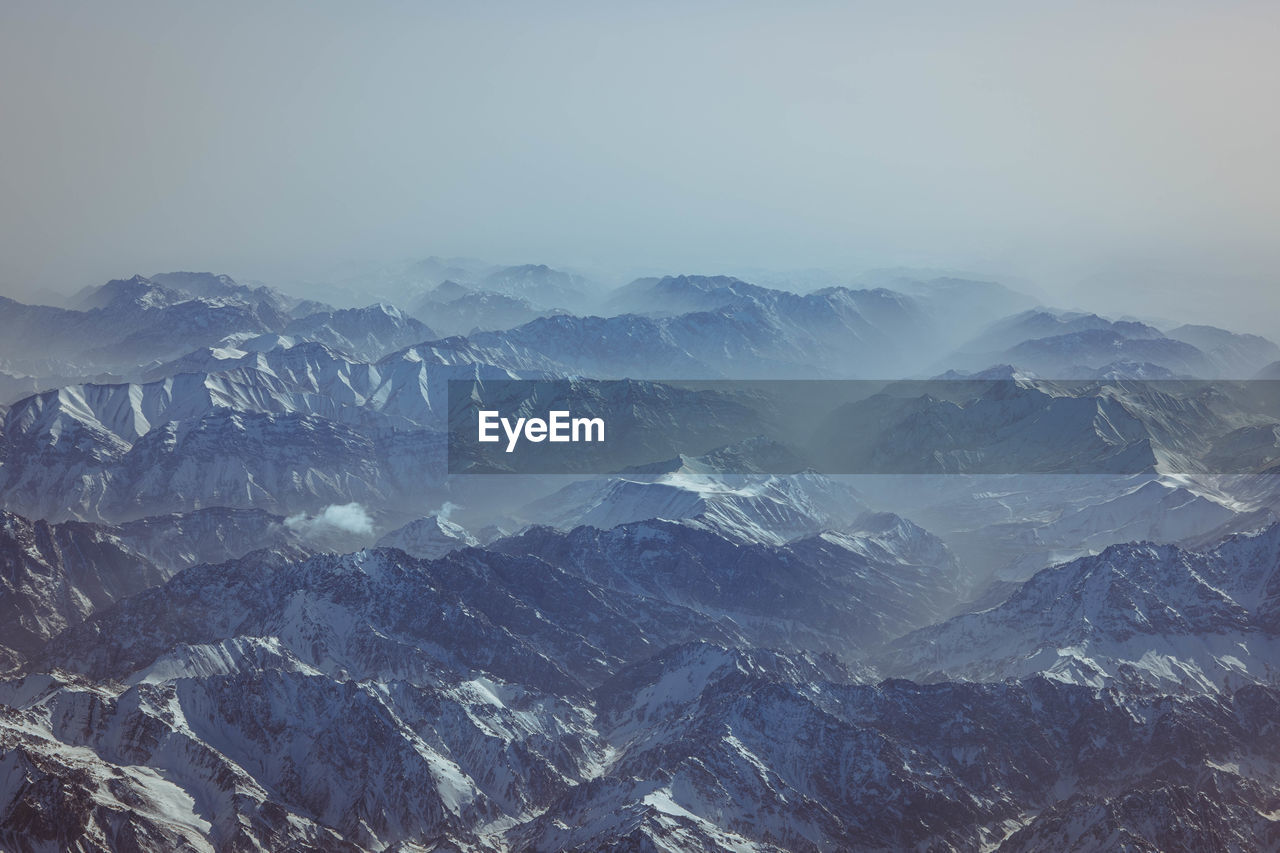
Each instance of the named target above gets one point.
<point>246,605</point>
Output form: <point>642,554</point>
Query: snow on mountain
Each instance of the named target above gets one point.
<point>429,538</point>
<point>80,449</point>
<point>1145,616</point>
<point>58,795</point>
<point>306,379</point>
<point>212,286</point>
<point>138,291</point>
<point>171,287</point>
<point>154,321</point>
<point>674,658</point>
<point>1152,512</point>
<point>319,689</point>
<point>721,750</point>
<point>409,386</point>
<point>126,411</point>
<point>768,509</point>
<point>282,463</point>
<point>285,757</point>
<point>132,321</point>
<point>495,702</point>
<point>129,322</point>
<point>378,699</point>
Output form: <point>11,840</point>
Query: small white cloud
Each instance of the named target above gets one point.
<point>336,518</point>
<point>446,509</point>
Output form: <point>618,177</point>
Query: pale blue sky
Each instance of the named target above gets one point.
<point>1117,152</point>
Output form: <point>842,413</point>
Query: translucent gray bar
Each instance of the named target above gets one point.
<point>937,426</point>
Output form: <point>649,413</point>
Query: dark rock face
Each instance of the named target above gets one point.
<point>55,575</point>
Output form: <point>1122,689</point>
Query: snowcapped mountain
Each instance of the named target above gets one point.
<point>129,322</point>
<point>282,702</point>
<point>132,321</point>
<point>282,463</point>
<point>722,750</point>
<point>178,286</point>
<point>768,509</point>
<point>441,671</point>
<point>110,451</point>
<point>1141,616</point>
<point>1152,512</point>
<point>262,680</point>
<point>429,538</point>
<point>382,614</point>
<point>406,387</point>
<point>241,757</point>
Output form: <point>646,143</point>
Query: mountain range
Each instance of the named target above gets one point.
<point>1013,584</point>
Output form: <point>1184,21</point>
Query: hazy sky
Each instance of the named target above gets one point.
<point>1121,156</point>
